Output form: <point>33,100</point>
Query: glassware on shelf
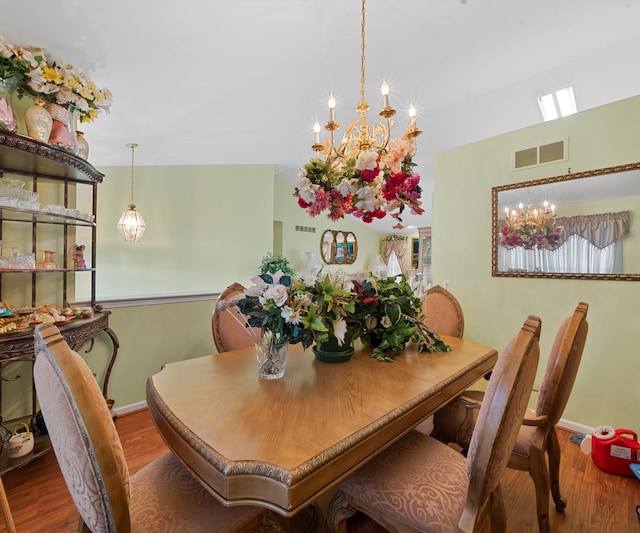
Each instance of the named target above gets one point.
<point>47,262</point>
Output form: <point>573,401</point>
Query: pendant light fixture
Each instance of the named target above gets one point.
<point>131,224</point>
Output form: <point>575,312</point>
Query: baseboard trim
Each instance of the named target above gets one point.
<point>130,408</point>
<point>573,426</point>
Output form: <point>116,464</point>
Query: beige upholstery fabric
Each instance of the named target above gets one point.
<point>504,430</point>
<point>164,496</point>
<point>229,330</point>
<point>443,313</point>
<point>418,482</point>
<point>72,444</point>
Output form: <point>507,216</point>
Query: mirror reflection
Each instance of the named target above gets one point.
<point>581,226</point>
<point>338,247</point>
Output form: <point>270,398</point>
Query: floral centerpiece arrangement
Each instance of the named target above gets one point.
<point>299,310</point>
<point>390,315</point>
<point>368,186</point>
<point>320,308</point>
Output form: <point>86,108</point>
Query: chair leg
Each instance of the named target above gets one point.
<point>553,450</point>
<point>6,510</point>
<point>497,512</point>
<point>540,475</point>
<point>338,512</point>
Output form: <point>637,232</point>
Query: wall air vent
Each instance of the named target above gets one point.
<point>538,155</point>
<point>306,229</point>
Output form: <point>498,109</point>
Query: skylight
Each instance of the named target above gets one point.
<point>557,104</point>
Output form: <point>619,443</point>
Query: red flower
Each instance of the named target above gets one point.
<point>302,203</point>
<point>369,175</point>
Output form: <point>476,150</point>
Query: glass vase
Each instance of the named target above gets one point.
<point>271,358</point>
<point>82,148</point>
<point>8,119</point>
<point>47,262</point>
<point>38,122</point>
<point>63,129</point>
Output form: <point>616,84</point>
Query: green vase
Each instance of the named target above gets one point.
<point>331,352</point>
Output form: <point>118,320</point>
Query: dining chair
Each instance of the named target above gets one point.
<point>537,439</point>
<point>443,312</point>
<point>443,315</point>
<point>229,327</point>
<point>161,497</point>
<point>421,484</point>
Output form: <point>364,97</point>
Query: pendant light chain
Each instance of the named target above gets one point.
<point>133,146</point>
<point>362,57</point>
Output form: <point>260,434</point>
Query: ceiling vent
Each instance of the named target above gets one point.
<point>538,155</point>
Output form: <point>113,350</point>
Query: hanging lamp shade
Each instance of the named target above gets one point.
<point>131,225</point>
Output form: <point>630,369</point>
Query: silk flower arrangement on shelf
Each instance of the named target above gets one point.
<point>52,80</point>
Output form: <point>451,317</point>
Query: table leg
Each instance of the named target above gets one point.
<point>6,511</point>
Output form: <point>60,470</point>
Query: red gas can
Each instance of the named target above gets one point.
<point>615,450</point>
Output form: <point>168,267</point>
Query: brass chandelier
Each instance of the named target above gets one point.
<point>367,174</point>
<point>360,135</point>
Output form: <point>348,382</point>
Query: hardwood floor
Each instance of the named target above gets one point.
<point>597,502</point>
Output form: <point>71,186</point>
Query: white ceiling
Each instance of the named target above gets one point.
<point>211,82</point>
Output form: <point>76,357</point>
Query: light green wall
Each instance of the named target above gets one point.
<point>207,226</point>
<point>150,336</point>
<point>606,390</point>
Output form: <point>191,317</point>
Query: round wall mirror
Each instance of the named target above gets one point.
<point>338,247</point>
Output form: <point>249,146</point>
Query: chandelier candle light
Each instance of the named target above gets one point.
<point>131,224</point>
<point>531,227</point>
<point>368,174</point>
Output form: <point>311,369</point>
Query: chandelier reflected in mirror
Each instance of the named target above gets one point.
<point>367,174</point>
<point>530,227</point>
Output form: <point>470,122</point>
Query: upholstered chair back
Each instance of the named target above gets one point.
<point>443,313</point>
<point>500,416</point>
<point>229,325</point>
<point>562,366</point>
<point>82,433</point>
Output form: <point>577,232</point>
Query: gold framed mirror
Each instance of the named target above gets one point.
<point>591,230</point>
<point>338,247</point>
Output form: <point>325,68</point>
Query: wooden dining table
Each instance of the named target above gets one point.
<point>281,444</point>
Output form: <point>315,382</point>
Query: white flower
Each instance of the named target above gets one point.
<point>308,194</point>
<point>339,330</point>
<point>290,316</point>
<point>367,160</point>
<point>257,288</point>
<point>386,321</point>
<point>345,187</point>
<point>365,199</point>
<point>275,276</point>
<point>310,275</point>
<point>277,293</point>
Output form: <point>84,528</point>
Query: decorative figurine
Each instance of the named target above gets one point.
<point>77,255</point>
